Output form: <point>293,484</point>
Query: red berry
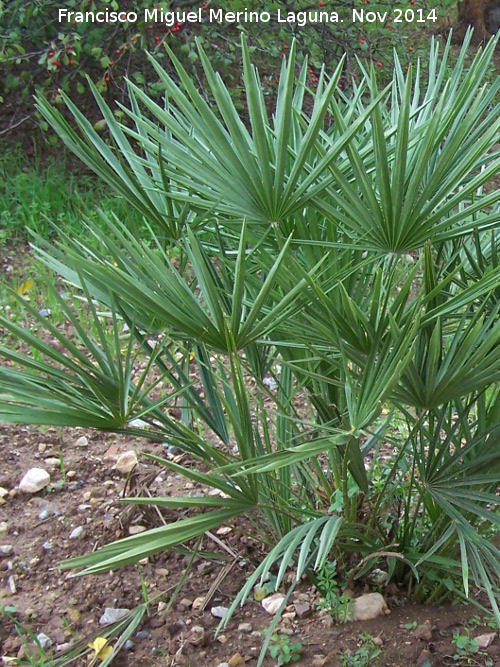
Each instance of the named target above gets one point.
<point>51,53</point>
<point>379,64</point>
<point>71,62</point>
<point>117,51</point>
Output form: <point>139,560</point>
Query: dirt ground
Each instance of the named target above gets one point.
<point>83,492</point>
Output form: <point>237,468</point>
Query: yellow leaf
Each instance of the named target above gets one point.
<point>101,650</point>
<point>26,287</point>
<point>260,594</point>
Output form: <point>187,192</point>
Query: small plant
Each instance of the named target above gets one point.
<point>283,650</point>
<point>466,648</point>
<point>365,656</point>
<point>337,603</point>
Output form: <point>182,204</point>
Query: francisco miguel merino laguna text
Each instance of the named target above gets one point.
<point>171,18</point>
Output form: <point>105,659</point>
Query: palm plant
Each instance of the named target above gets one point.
<point>350,251</point>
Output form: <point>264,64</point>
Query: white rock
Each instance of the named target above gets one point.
<point>82,442</point>
<point>272,603</point>
<point>112,615</point>
<point>138,423</point>
<point>369,606</point>
<point>76,533</point>
<point>4,529</point>
<point>52,462</point>
<point>63,647</point>
<point>485,640</point>
<point>135,530</point>
<point>34,480</point>
<point>6,550</point>
<point>126,462</point>
<point>219,612</point>
<point>44,641</point>
<point>3,492</point>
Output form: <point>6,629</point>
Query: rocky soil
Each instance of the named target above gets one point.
<point>78,510</point>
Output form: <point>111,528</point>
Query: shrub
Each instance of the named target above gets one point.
<point>345,247</point>
<point>37,51</point>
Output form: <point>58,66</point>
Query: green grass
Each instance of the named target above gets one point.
<point>45,198</point>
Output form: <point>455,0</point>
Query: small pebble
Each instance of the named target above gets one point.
<point>76,533</point>
<point>82,442</point>
<point>44,641</point>
<point>142,634</point>
<point>128,645</point>
<point>4,529</point>
<point>47,546</point>
<point>126,462</point>
<point>34,480</point>
<point>112,615</point>
<point>12,584</point>
<point>245,628</point>
<point>219,612</point>
<point>63,647</point>
<point>6,550</point>
<point>138,423</point>
<point>43,515</point>
<point>272,603</point>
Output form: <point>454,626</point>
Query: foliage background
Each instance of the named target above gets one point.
<point>37,53</point>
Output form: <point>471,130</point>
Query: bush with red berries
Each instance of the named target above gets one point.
<point>39,52</point>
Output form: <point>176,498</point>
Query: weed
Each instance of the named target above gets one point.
<point>283,650</point>
<point>411,626</point>
<point>337,603</point>
<point>467,649</point>
<point>365,656</point>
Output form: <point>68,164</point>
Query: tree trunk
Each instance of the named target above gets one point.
<point>475,13</point>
